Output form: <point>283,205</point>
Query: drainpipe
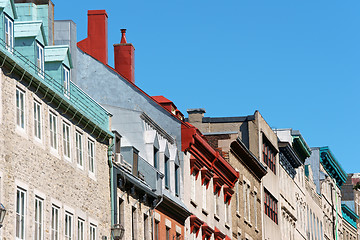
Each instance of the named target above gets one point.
<point>110,154</point>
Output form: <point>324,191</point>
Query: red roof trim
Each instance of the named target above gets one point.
<point>194,142</point>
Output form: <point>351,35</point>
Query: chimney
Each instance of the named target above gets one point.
<point>196,115</point>
<point>96,44</point>
<point>124,58</point>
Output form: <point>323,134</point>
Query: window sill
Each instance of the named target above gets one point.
<point>247,222</point>
<point>205,212</point>
<point>67,159</point>
<point>193,203</point>
<point>217,218</point>
<point>92,176</point>
<point>54,152</point>
<point>21,132</point>
<point>227,225</point>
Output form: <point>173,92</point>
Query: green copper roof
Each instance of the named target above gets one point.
<point>58,53</point>
<point>332,166</point>
<point>30,29</point>
<point>4,3</point>
<point>349,215</point>
<point>300,146</point>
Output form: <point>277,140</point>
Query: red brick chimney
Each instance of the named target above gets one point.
<point>96,44</point>
<point>124,58</point>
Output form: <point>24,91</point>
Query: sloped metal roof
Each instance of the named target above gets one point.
<point>29,29</point>
<point>57,53</point>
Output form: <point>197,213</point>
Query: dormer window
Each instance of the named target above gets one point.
<point>40,59</point>
<point>66,79</point>
<point>9,33</point>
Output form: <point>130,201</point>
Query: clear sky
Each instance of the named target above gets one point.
<point>297,62</point>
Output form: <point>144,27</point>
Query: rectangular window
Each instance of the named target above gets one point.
<point>79,149</point>
<point>227,203</point>
<point>204,196</point>
<point>216,203</point>
<point>66,78</point>
<point>177,182</point>
<point>54,223</point>
<point>156,230</point>
<point>167,172</point>
<point>134,223</point>
<point>66,140</point>
<point>156,158</point>
<point>193,186</point>
<point>9,33</point>
<point>91,156</point>
<point>269,155</point>
<point>80,229</point>
<point>121,211</point>
<point>92,232</point>
<point>37,120</point>
<point>270,206</point>
<point>255,209</point>
<point>40,59</point>
<point>53,130</point>
<point>38,218</point>
<point>146,227</point>
<point>20,108</point>
<point>20,213</point>
<point>167,233</point>
<point>237,196</point>
<point>245,200</point>
<point>68,226</point>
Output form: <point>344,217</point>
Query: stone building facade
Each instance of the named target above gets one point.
<point>328,177</point>
<point>262,142</point>
<point>53,152</point>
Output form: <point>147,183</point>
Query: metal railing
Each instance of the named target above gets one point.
<point>81,101</point>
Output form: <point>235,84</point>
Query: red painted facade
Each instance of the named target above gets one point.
<point>96,44</point>
<point>124,58</point>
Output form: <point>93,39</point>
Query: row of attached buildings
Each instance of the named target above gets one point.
<point>86,154</point>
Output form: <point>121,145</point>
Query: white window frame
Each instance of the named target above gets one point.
<point>66,140</point>
<point>9,33</point>
<point>81,229</point>
<point>68,228</point>
<point>204,196</point>
<point>92,231</point>
<point>40,59</point>
<point>21,214</point>
<point>79,149</point>
<point>37,120</point>
<point>55,222</point>
<point>91,155</point>
<point>53,130</point>
<point>39,218</point>
<point>20,108</point>
<point>255,210</point>
<point>193,186</point>
<point>66,80</point>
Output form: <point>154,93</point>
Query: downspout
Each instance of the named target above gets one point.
<point>110,154</point>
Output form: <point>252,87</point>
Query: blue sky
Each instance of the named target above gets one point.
<point>297,62</point>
